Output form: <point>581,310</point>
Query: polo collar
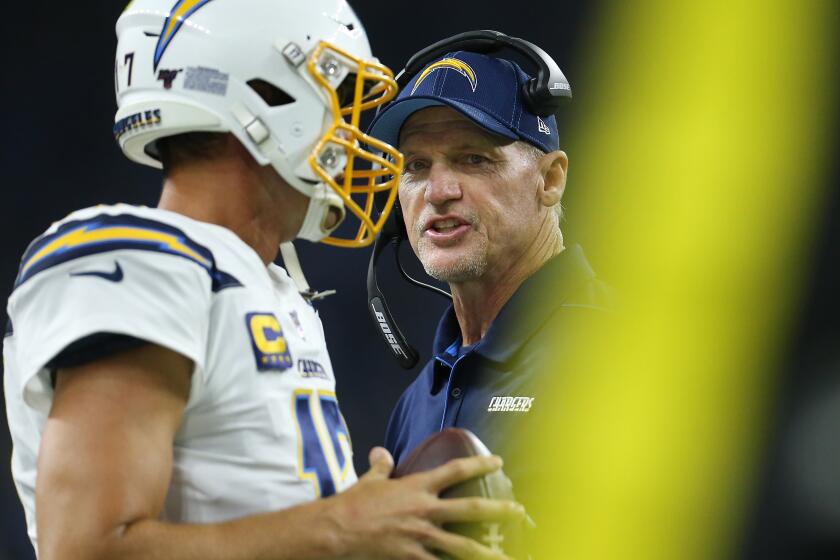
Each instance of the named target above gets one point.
<point>533,303</point>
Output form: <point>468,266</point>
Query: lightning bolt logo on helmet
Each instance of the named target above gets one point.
<point>177,15</point>
<point>453,64</point>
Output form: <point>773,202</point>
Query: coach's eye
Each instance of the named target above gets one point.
<point>415,166</point>
<point>475,159</point>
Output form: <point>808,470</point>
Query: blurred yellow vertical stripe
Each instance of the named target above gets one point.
<point>702,141</point>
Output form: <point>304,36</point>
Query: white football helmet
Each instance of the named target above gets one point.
<point>189,65</point>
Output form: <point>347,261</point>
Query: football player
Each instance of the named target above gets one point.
<point>168,388</point>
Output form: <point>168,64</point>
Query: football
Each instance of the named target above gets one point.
<point>454,443</point>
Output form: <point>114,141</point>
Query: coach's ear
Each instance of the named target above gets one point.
<point>553,167</point>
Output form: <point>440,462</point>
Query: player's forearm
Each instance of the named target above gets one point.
<point>303,532</point>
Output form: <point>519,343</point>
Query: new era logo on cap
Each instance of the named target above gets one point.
<point>542,126</point>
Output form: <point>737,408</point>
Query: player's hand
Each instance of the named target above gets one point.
<point>386,518</point>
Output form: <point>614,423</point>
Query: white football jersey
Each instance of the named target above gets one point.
<point>262,429</point>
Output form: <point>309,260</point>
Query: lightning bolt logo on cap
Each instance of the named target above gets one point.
<point>177,15</point>
<point>452,63</point>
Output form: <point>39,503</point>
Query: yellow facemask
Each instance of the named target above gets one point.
<point>372,167</point>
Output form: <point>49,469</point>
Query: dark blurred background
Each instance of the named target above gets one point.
<point>58,155</point>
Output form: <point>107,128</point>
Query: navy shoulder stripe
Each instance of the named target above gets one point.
<point>107,232</point>
<point>10,330</point>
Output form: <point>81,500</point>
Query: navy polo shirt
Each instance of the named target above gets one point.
<point>462,386</point>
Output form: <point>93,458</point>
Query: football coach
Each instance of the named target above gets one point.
<point>480,197</point>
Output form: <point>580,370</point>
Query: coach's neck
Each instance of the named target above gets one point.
<point>478,302</point>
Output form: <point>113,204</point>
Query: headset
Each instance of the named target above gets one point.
<point>543,95</point>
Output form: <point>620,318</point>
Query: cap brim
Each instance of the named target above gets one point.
<point>388,124</point>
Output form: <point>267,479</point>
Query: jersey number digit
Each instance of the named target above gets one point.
<point>323,441</point>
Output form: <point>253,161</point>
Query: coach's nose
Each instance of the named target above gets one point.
<point>443,185</point>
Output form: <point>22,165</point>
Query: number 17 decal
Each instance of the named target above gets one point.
<point>324,447</point>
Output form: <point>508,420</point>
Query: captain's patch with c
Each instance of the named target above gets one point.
<point>271,350</point>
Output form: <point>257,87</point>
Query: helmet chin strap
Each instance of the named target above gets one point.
<point>292,265</point>
<point>321,201</point>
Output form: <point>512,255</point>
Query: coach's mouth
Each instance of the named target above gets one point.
<point>446,230</point>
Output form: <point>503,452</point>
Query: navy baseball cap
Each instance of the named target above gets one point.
<point>484,89</point>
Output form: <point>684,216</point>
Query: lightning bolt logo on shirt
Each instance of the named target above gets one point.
<point>179,13</point>
<point>453,64</point>
<point>88,235</point>
<point>105,233</point>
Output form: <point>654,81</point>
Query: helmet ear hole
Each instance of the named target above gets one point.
<point>271,94</point>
